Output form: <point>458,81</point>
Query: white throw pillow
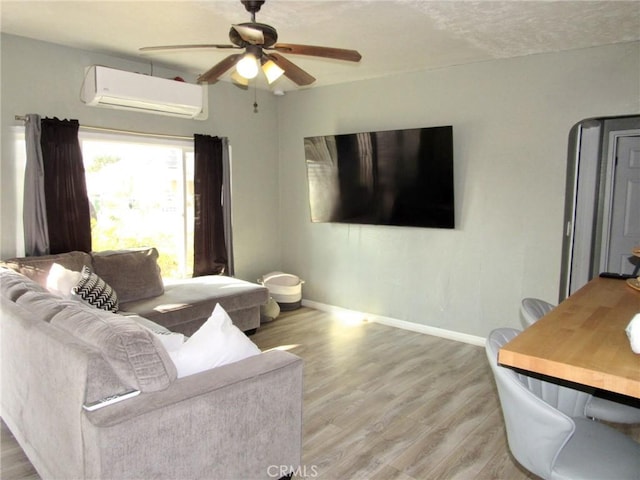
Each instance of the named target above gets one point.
<point>61,281</point>
<point>85,286</point>
<point>217,342</point>
<point>170,340</point>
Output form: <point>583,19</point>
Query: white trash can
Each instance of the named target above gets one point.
<point>284,288</point>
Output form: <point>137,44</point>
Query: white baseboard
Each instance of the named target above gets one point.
<point>403,324</point>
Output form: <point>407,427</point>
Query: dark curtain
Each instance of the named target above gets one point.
<point>209,253</point>
<point>65,189</point>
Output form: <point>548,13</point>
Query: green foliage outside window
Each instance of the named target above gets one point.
<point>133,205</point>
<point>108,239</point>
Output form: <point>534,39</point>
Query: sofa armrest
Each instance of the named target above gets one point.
<point>234,421</point>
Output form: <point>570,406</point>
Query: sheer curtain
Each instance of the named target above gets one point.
<point>226,205</point>
<point>68,213</point>
<point>34,211</point>
<point>210,249</point>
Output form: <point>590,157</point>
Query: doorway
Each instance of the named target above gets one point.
<point>602,202</point>
<point>622,212</point>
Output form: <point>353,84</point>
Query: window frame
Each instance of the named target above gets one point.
<point>186,145</point>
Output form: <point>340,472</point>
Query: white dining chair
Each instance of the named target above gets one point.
<point>546,431</point>
<point>532,310</point>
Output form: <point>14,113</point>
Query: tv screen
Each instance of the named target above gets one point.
<point>392,177</point>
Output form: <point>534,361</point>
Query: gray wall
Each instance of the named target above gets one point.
<point>511,120</point>
<point>43,78</point>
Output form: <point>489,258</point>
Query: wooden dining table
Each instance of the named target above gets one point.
<point>583,340</point>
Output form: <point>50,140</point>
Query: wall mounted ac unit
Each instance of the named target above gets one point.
<point>108,87</point>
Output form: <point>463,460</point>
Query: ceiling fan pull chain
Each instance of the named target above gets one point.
<point>255,99</point>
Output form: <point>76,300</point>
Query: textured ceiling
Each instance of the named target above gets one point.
<point>393,36</point>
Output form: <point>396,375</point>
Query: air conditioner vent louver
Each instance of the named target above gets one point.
<point>108,87</point>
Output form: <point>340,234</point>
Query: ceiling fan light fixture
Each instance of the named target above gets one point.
<point>254,38</point>
<point>239,79</point>
<point>247,67</point>
<point>272,71</point>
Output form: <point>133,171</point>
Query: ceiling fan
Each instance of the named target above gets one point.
<point>261,50</point>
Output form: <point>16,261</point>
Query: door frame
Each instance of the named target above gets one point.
<point>607,199</point>
<point>588,197</point>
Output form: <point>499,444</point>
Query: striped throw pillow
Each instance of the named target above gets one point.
<point>95,291</point>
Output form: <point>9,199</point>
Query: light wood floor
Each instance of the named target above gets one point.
<point>380,403</point>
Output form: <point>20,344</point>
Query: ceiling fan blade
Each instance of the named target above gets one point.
<point>219,68</point>
<point>184,47</point>
<point>326,52</point>
<point>249,34</point>
<point>292,71</point>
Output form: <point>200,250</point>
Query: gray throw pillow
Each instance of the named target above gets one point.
<point>134,273</point>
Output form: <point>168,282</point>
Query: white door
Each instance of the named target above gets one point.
<point>624,232</point>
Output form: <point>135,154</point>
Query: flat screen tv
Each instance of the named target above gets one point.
<point>392,177</point>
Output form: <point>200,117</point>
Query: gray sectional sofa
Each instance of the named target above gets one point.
<point>181,305</point>
<point>241,420</point>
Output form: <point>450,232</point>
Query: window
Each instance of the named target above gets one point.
<point>141,194</point>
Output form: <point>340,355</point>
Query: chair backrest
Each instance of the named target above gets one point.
<point>536,429</point>
<point>533,309</point>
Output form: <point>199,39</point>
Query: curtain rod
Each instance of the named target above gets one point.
<point>23,118</point>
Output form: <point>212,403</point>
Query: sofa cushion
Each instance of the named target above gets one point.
<point>133,352</point>
<point>37,268</point>
<point>217,342</point>
<point>134,273</point>
<point>41,305</point>
<point>15,284</point>
<point>195,298</point>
